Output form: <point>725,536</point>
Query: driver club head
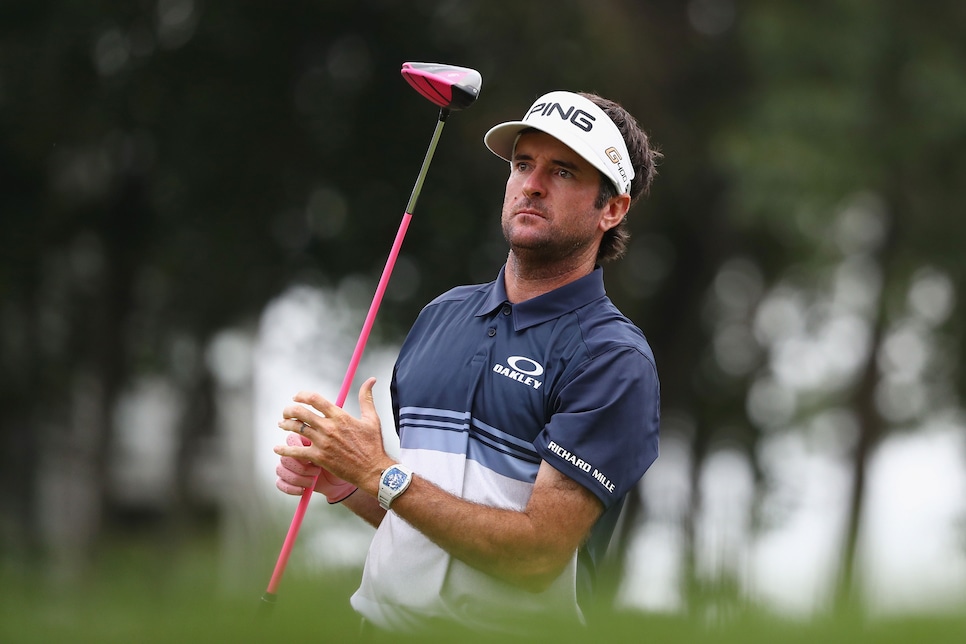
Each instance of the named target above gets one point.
<point>448,86</point>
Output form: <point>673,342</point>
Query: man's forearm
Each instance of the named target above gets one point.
<point>527,548</point>
<point>366,507</point>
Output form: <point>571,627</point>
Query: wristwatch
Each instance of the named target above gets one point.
<point>393,482</point>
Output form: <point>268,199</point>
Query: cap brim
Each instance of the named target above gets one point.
<point>501,138</point>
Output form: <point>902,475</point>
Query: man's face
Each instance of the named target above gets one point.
<point>548,209</point>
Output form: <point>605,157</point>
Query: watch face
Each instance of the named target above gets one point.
<point>394,479</point>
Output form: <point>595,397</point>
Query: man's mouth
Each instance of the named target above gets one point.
<point>530,210</point>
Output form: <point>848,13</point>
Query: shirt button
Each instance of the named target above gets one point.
<point>506,310</point>
<point>491,332</point>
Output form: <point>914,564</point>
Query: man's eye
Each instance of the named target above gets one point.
<point>565,174</point>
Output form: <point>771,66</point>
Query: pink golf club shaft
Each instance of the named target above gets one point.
<point>293,530</point>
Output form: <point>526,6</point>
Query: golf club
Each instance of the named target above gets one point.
<point>450,88</point>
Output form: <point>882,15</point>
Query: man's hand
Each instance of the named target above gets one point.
<point>295,476</point>
<point>349,448</point>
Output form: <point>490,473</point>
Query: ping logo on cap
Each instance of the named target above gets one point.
<point>577,116</point>
<point>613,155</point>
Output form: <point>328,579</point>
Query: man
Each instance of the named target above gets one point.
<point>526,408</point>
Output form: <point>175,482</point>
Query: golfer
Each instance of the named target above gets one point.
<point>526,408</point>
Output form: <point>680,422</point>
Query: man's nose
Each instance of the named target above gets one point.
<point>534,185</point>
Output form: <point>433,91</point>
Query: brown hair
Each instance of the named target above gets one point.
<point>644,158</point>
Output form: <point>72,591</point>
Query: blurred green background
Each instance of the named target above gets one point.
<point>172,172</point>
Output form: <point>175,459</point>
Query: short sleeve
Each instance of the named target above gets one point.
<point>603,430</point>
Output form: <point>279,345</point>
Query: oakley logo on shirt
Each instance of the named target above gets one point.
<point>521,369</point>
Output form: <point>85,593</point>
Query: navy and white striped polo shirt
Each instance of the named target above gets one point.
<point>483,391</point>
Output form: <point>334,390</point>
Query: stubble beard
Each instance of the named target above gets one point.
<point>555,247</point>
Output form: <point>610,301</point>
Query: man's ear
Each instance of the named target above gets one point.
<point>614,211</point>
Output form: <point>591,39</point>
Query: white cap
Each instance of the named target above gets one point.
<point>579,124</point>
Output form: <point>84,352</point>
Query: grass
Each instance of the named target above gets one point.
<point>156,594</point>
<point>145,596</point>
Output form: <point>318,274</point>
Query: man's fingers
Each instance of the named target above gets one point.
<point>318,402</point>
<point>288,488</point>
<point>290,451</point>
<point>294,415</point>
<point>367,405</point>
<point>301,432</point>
<point>298,466</point>
<point>294,473</point>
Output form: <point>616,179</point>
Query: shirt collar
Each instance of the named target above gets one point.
<point>548,306</point>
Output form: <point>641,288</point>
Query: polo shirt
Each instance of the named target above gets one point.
<point>483,391</point>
